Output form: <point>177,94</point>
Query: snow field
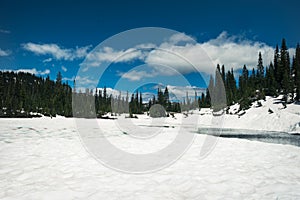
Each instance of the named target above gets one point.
<point>44,159</point>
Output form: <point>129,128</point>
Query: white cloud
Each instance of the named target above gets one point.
<point>47,60</point>
<point>108,54</point>
<point>64,68</point>
<point>31,71</point>
<point>181,59</point>
<point>85,81</point>
<point>179,92</point>
<point>4,52</point>
<point>232,51</point>
<point>135,75</point>
<point>68,79</point>
<point>181,53</point>
<point>180,37</point>
<point>56,51</point>
<point>145,46</point>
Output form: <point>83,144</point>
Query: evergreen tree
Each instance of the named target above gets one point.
<point>260,72</point>
<point>22,93</point>
<point>270,81</point>
<point>223,73</point>
<point>297,72</point>
<point>166,96</point>
<point>160,97</point>
<point>219,101</point>
<point>284,68</point>
<point>141,103</point>
<point>207,99</point>
<point>231,89</point>
<point>167,102</point>
<point>243,83</point>
<point>277,71</point>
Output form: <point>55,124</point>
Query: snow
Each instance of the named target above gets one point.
<point>44,158</point>
<point>259,118</point>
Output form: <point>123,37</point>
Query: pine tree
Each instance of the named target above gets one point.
<point>243,83</point>
<point>210,92</point>
<point>277,71</point>
<point>131,105</point>
<point>203,101</point>
<point>260,72</point>
<point>223,73</point>
<point>160,97</point>
<point>218,68</point>
<point>167,102</point>
<point>219,92</point>
<point>141,103</point>
<point>231,90</point>
<point>297,72</point>
<point>166,96</point>
<point>207,98</point>
<point>284,68</point>
<point>270,82</point>
<point>59,78</point>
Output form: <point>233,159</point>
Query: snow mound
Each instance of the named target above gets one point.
<point>269,115</point>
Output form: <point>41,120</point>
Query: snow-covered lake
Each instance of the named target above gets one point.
<point>45,159</point>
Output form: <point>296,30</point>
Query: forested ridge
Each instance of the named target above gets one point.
<point>26,95</point>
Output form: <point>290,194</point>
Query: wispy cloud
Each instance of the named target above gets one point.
<point>31,71</point>
<point>47,60</point>
<point>85,81</point>
<point>4,52</point>
<point>180,37</point>
<point>4,31</point>
<point>57,52</point>
<point>108,54</point>
<point>135,75</point>
<point>64,68</point>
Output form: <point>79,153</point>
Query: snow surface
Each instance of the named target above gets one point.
<point>44,159</point>
<point>259,118</point>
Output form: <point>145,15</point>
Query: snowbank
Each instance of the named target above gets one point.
<point>270,116</point>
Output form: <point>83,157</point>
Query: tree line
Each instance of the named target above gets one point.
<point>278,78</point>
<point>26,95</point>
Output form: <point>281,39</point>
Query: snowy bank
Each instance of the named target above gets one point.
<point>270,116</point>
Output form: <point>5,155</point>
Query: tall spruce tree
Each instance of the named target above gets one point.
<point>297,72</point>
<point>270,82</point>
<point>277,71</point>
<point>284,68</point>
<point>223,73</point>
<point>260,72</point>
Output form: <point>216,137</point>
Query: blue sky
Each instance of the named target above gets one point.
<point>45,37</point>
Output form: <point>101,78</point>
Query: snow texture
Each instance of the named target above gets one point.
<point>44,159</point>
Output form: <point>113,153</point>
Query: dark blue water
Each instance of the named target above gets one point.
<point>254,135</point>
